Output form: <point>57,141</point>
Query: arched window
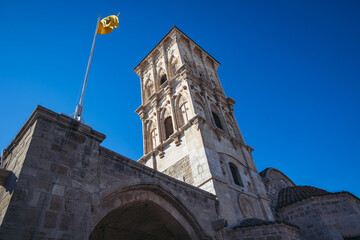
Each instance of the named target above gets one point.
<point>163,79</point>
<point>235,174</point>
<point>217,120</point>
<point>168,127</point>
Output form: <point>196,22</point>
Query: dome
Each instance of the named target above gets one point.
<point>290,195</point>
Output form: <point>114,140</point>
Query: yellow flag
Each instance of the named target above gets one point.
<point>107,24</point>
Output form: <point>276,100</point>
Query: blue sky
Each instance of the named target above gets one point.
<point>293,68</point>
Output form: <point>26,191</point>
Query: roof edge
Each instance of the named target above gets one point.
<point>174,27</point>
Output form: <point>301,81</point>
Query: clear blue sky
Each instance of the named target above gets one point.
<point>292,66</point>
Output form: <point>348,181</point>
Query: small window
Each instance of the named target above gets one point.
<point>168,127</point>
<point>235,174</point>
<point>217,120</point>
<point>163,79</point>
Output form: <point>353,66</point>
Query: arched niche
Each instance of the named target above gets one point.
<point>200,107</point>
<point>143,212</point>
<point>151,134</point>
<point>149,88</point>
<point>183,110</point>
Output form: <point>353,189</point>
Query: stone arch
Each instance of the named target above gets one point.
<point>140,211</point>
<point>200,107</point>
<point>167,123</point>
<point>230,125</point>
<point>149,88</point>
<point>273,180</point>
<point>151,136</point>
<point>173,64</point>
<point>232,158</point>
<point>217,118</point>
<point>162,76</point>
<point>183,111</point>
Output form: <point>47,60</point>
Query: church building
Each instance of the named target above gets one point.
<point>197,178</point>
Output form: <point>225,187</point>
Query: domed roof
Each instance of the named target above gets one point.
<point>290,195</point>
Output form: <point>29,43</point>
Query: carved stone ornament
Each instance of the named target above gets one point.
<point>246,206</point>
<point>177,140</point>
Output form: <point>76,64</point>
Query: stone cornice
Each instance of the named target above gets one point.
<point>196,120</point>
<point>174,28</point>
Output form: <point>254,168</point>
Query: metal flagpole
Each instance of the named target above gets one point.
<point>79,108</point>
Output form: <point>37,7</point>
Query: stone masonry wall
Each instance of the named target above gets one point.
<point>273,184</point>
<point>266,232</point>
<point>181,171</point>
<point>14,159</point>
<point>325,217</point>
<point>65,181</point>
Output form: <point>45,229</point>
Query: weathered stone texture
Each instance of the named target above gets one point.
<point>268,232</point>
<point>274,181</point>
<point>190,98</point>
<point>181,171</point>
<point>67,179</point>
<point>325,217</point>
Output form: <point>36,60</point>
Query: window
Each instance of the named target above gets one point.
<point>168,127</point>
<point>235,174</point>
<point>283,184</point>
<point>217,120</point>
<point>163,79</point>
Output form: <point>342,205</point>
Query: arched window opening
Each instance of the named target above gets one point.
<point>235,174</point>
<point>163,79</point>
<point>168,127</point>
<point>217,120</point>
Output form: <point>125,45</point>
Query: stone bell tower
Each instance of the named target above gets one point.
<point>189,129</point>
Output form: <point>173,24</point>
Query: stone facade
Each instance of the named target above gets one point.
<point>186,114</point>
<point>197,179</point>
<point>335,216</point>
<point>273,231</point>
<point>67,187</point>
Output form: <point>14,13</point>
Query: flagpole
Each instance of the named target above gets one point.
<point>79,108</point>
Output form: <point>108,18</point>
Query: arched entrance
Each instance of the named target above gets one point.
<point>142,213</point>
<point>140,220</point>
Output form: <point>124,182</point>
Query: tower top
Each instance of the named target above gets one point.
<point>174,31</point>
